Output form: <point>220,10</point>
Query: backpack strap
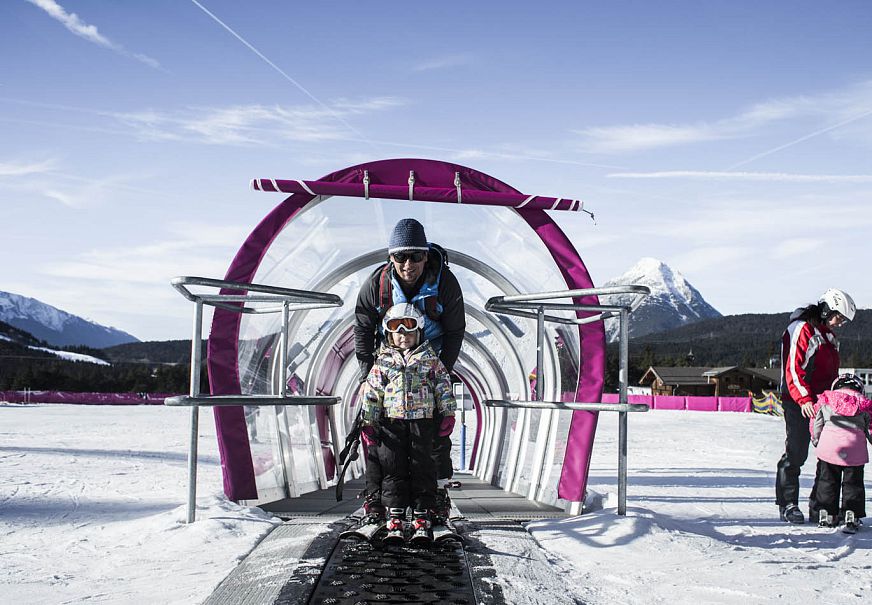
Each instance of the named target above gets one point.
<point>385,290</point>
<point>431,309</point>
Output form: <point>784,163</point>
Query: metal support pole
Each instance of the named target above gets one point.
<point>462,435</point>
<point>540,352</point>
<point>622,416</point>
<point>196,343</point>
<point>283,350</point>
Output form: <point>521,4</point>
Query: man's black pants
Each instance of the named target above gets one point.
<point>795,455</point>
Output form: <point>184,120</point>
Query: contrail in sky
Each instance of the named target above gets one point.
<point>800,140</point>
<point>281,71</point>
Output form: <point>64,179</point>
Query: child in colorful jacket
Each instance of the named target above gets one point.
<point>406,387</point>
<point>839,432</point>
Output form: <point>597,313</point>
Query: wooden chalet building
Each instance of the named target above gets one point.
<point>729,381</point>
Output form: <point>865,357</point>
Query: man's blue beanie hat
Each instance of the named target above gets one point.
<point>408,236</point>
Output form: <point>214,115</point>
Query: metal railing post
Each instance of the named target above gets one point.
<point>534,306</point>
<point>195,410</point>
<point>622,416</point>
<point>283,350</point>
<point>540,352</point>
<point>236,302</point>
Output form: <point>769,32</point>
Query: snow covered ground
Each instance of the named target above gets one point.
<point>92,509</point>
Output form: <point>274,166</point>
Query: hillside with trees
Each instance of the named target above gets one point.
<point>24,365</point>
<point>749,340</point>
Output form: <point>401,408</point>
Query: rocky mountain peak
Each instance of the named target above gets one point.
<point>673,301</point>
<point>55,326</point>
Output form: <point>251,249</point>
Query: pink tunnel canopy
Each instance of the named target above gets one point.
<point>421,192</point>
<point>476,187</point>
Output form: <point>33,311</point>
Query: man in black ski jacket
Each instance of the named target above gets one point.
<point>417,273</point>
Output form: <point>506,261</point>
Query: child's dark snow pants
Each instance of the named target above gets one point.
<point>831,477</point>
<point>405,451</point>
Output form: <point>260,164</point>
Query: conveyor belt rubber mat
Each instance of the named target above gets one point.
<point>359,573</point>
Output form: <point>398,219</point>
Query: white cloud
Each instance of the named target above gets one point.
<point>796,247</point>
<point>89,32</point>
<point>745,176</point>
<point>79,193</point>
<point>70,190</point>
<point>834,109</point>
<point>14,169</point>
<point>194,250</point>
<point>129,286</point>
<point>444,62</point>
<point>711,258</point>
<point>636,137</point>
<point>250,124</point>
<point>367,105</point>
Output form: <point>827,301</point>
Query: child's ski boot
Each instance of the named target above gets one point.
<point>396,527</point>
<point>373,508</point>
<point>852,523</point>
<point>372,521</point>
<point>421,535</point>
<point>442,512</point>
<point>825,519</point>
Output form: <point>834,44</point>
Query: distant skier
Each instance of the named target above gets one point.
<point>809,365</point>
<point>407,387</point>
<point>840,431</point>
<point>417,272</point>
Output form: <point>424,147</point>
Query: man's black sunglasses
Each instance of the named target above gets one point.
<point>415,257</point>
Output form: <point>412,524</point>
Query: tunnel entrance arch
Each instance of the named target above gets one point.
<point>316,242</point>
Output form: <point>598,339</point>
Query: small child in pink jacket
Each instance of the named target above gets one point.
<point>839,432</point>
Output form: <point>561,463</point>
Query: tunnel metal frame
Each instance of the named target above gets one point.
<point>534,306</point>
<point>286,300</point>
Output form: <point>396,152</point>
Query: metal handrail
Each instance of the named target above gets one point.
<point>510,304</point>
<point>289,300</point>
<point>568,405</point>
<point>301,299</point>
<point>514,305</point>
<point>248,400</point>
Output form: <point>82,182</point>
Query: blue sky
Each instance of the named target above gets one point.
<point>732,140</point>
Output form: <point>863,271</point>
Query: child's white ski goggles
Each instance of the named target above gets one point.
<point>403,324</point>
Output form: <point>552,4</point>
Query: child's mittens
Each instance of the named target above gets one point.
<point>367,435</point>
<point>447,426</point>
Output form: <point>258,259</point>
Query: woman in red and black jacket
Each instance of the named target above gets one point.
<point>809,364</point>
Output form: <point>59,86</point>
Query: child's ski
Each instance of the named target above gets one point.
<point>365,531</point>
<point>368,526</point>
<point>449,530</point>
<point>445,533</point>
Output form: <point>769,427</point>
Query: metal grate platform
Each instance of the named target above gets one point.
<point>303,561</point>
<point>358,573</point>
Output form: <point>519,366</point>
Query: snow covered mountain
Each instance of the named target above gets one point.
<point>673,302</point>
<point>57,327</point>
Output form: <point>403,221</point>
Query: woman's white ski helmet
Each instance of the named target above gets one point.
<point>837,301</point>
